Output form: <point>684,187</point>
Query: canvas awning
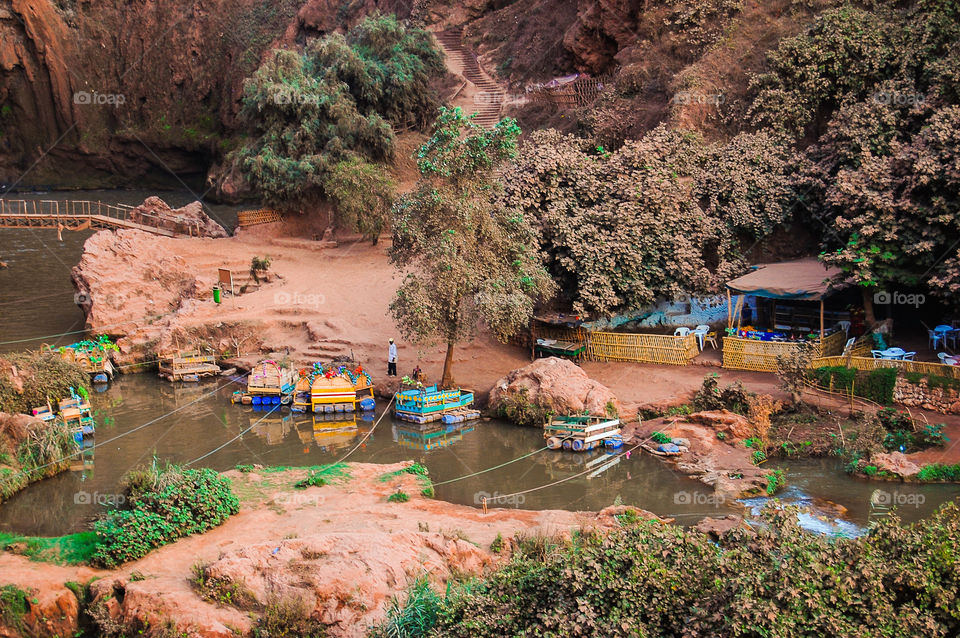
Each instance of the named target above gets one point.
<point>803,279</point>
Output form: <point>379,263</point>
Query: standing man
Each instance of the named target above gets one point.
<point>392,359</point>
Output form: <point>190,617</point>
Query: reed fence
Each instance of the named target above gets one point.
<point>761,356</point>
<point>254,217</point>
<point>869,363</point>
<point>622,346</point>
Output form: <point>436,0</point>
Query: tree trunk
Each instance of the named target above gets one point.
<point>447,380</point>
<point>868,317</point>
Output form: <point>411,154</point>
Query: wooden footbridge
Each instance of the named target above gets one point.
<point>82,214</point>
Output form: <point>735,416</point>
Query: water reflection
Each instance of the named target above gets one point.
<point>140,418</point>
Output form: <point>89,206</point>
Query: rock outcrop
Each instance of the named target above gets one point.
<point>557,384</point>
<point>190,220</point>
<point>895,463</point>
<point>732,426</point>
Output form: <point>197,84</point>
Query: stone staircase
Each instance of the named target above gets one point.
<point>488,96</point>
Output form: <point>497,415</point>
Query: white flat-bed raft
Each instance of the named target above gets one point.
<point>582,433</point>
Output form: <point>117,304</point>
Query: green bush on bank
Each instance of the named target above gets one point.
<point>876,385</point>
<point>651,579</point>
<point>30,379</point>
<point>162,505</point>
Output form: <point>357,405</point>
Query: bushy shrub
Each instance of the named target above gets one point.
<point>41,377</point>
<point>162,505</point>
<point>322,119</point>
<point>661,217</point>
<point>876,385</point>
<point>660,580</point>
<point>940,472</point>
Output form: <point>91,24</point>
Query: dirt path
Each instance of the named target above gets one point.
<point>480,94</point>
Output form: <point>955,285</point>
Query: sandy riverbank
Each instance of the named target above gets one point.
<point>343,548</point>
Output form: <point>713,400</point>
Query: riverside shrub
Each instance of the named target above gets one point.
<point>651,579</point>
<point>160,507</point>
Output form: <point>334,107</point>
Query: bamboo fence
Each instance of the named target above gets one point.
<point>254,217</point>
<point>622,346</point>
<point>869,363</point>
<point>761,356</point>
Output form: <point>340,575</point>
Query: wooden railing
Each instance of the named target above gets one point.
<point>83,214</point>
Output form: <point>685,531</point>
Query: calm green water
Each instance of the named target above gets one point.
<point>36,301</point>
<point>36,295</point>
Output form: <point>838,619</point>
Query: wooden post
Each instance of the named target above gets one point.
<point>729,310</point>
<point>821,327</point>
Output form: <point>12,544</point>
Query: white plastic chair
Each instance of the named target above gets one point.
<point>908,356</point>
<point>877,354</point>
<point>681,332</point>
<point>894,353</point>
<point>942,356</point>
<point>848,345</point>
<point>701,332</point>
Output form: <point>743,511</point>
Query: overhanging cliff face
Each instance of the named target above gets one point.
<point>108,91</point>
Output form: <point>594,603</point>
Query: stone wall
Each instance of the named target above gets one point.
<point>913,395</point>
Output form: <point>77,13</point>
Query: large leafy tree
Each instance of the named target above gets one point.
<point>468,259</point>
<point>330,112</point>
<point>875,92</point>
<point>662,217</point>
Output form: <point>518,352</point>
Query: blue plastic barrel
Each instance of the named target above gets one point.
<point>367,403</point>
<point>255,400</point>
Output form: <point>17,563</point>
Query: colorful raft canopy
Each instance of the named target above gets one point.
<point>424,404</point>
<point>333,388</point>
<point>93,355</point>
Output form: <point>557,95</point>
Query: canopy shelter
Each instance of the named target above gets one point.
<point>798,280</point>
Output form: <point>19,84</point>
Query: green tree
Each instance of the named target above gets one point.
<point>320,114</point>
<point>363,193</point>
<point>466,257</point>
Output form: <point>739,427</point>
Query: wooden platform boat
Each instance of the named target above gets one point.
<point>44,412</point>
<point>333,388</point>
<point>269,383</point>
<point>581,433</point>
<point>75,412</point>
<point>93,356</point>
<point>187,365</point>
<point>427,404</point>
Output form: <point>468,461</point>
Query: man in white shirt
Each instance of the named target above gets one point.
<point>392,359</point>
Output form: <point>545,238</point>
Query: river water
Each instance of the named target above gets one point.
<point>36,296</point>
<point>141,419</point>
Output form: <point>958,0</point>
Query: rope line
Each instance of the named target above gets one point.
<point>128,432</point>
<point>490,469</point>
<point>571,477</point>
<point>220,447</point>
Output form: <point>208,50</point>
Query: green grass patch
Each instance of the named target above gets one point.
<point>939,472</point>
<point>325,475</point>
<point>398,497</point>
<point>72,549</point>
<point>415,469</point>
<point>14,605</point>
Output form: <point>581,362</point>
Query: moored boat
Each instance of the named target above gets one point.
<point>427,404</point>
<point>580,433</point>
<point>269,383</point>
